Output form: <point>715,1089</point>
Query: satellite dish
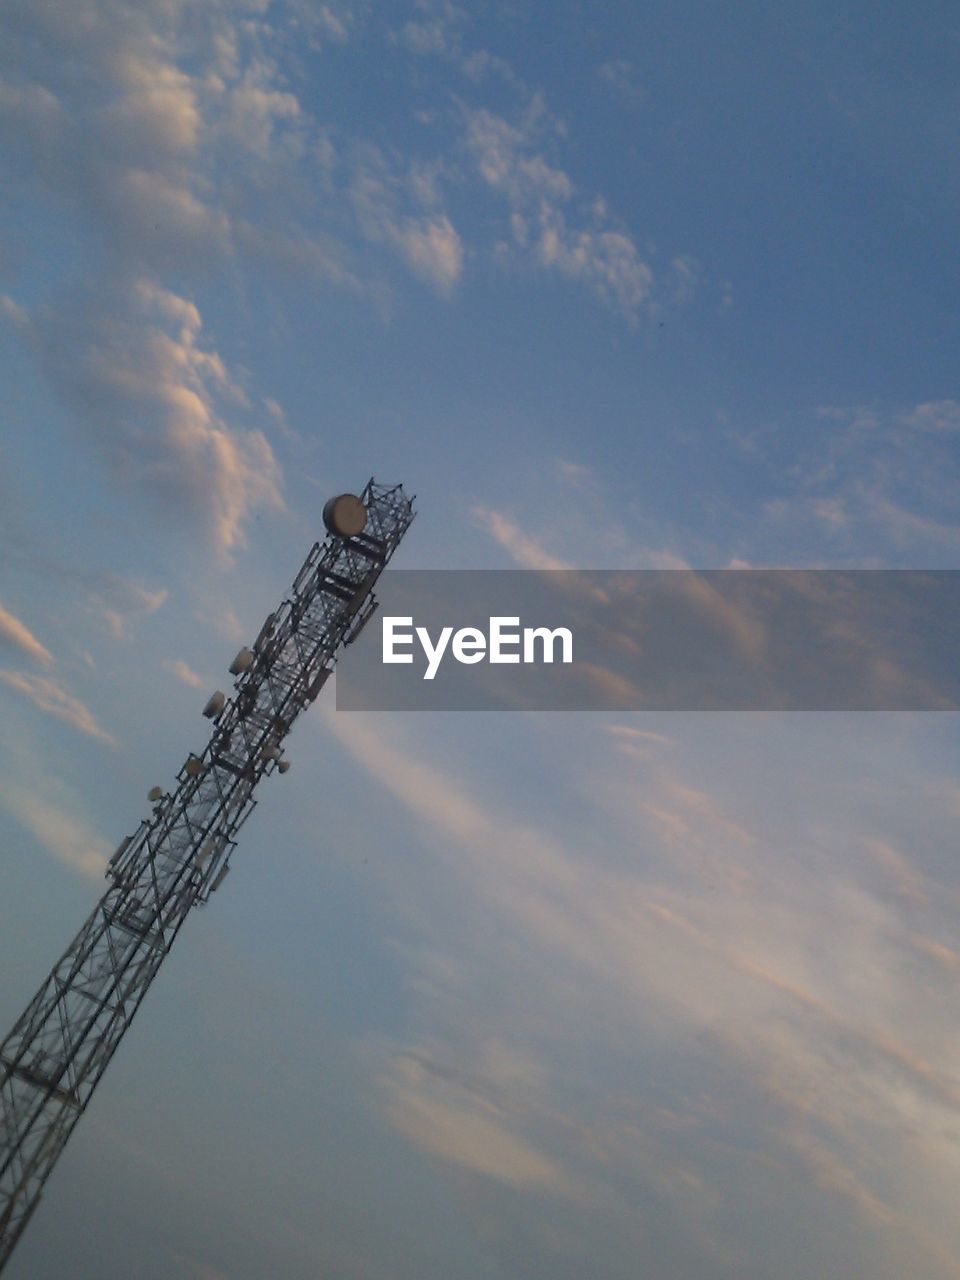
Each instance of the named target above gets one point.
<point>242,662</point>
<point>155,794</point>
<point>215,704</point>
<point>345,515</point>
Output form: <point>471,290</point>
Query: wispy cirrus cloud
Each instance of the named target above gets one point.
<point>52,817</point>
<point>700,927</point>
<point>621,77</point>
<point>879,487</point>
<point>523,547</point>
<point>49,696</point>
<point>121,602</point>
<point>184,673</point>
<point>18,635</point>
<point>46,692</point>
<point>442,1117</point>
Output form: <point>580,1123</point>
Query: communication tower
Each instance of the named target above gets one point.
<point>54,1057</point>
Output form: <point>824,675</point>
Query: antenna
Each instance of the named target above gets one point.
<point>57,1052</point>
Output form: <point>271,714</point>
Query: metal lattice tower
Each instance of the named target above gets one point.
<point>52,1060</point>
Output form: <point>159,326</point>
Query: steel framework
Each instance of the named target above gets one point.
<point>52,1060</point>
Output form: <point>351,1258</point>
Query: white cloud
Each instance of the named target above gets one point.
<point>156,110</point>
<point>522,547</point>
<point>223,619</point>
<point>428,37</point>
<point>132,119</point>
<point>687,277</point>
<point>606,261</point>
<point>621,76</point>
<point>936,415</point>
<point>433,249</point>
<point>49,696</point>
<point>700,932</point>
<point>32,119</point>
<point>255,112</point>
<point>184,673</point>
<point>18,635</point>
<point>155,213</point>
<point>438,31</point>
<point>879,484</point>
<point>153,399</point>
<point>910,528</point>
<point>428,243</point>
<point>120,603</point>
<point>589,527</point>
<point>42,809</point>
<point>506,159</point>
<point>445,1119</point>
<point>590,250</point>
<point>333,25</point>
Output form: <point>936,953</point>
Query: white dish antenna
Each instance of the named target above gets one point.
<point>345,515</point>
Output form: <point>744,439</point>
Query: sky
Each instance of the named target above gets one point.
<point>607,286</point>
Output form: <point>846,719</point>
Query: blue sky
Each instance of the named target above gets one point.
<point>606,286</point>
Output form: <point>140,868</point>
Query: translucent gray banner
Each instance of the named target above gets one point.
<point>658,640</point>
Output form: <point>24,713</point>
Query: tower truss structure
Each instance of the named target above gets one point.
<point>59,1048</point>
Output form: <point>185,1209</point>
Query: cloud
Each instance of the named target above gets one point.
<point>905,877</point>
<point>32,121</point>
<point>522,547</point>
<point>690,934</point>
<point>506,159</point>
<point>942,416</point>
<point>631,733</point>
<point>446,1120</point>
<point>606,261</point>
<point>185,674</point>
<point>43,809</point>
<point>592,250</point>
<point>156,108</point>
<point>687,278</point>
<point>878,483</point>
<point>256,113</point>
<point>120,134</point>
<point>155,400</point>
<point>428,242</point>
<point>620,75</point>
<point>608,688</point>
<point>911,528</point>
<point>574,473</point>
<point>130,120</point>
<point>332,24</point>
<point>438,32</point>
<point>735,619</point>
<point>433,250</point>
<point>423,38</point>
<point>121,602</point>
<point>223,619</point>
<point>17,634</point>
<point>48,696</point>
